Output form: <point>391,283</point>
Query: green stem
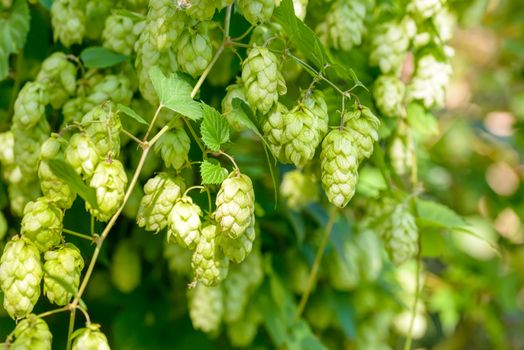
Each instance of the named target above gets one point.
<point>409,338</point>
<point>316,264</point>
<point>152,124</point>
<point>52,312</point>
<point>132,137</point>
<point>231,159</point>
<point>71,328</point>
<point>192,188</point>
<point>195,137</point>
<point>74,233</point>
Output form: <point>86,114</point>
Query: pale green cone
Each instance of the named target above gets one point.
<point>62,266</point>
<point>298,189</point>
<point>126,267</point>
<point>339,167</point>
<point>235,205</point>
<point>7,155</point>
<point>344,24</point>
<point>96,14</point>
<point>32,333</point>
<point>202,10</point>
<point>68,20</point>
<point>30,105</point>
<point>274,127</point>
<point>206,308</point>
<point>388,93</point>
<point>241,333</point>
<point>425,8</point>
<point>430,81</point>
<point>400,155</point>
<point>27,147</point>
<point>239,248</point>
<point>103,126</point>
<point>401,239</point>
<point>209,264</point>
<point>194,49</point>
<point>173,147</point>
<point>256,11</point>
<point>42,224</point>
<point>90,338</point>
<point>363,126</point>
<point>75,108</point>
<point>20,276</point>
<point>118,34</point>
<point>58,75</point>
<point>262,79</point>
<point>115,88</point>
<point>160,195</point>
<point>343,266</point>
<point>233,91</point>
<point>184,222</point>
<point>109,181</point>
<point>389,45</point>
<point>178,258</point>
<point>82,155</point>
<point>22,193</point>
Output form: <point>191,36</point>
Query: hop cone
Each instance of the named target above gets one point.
<point>298,189</point>
<point>32,333</point>
<point>262,79</point>
<point>30,105</point>
<point>56,190</point>
<point>208,262</point>
<point>239,248</point>
<point>20,276</point>
<point>58,75</point>
<point>344,25</point>
<point>27,147</point>
<point>363,126</point>
<point>75,108</point>
<point>306,125</point>
<point>430,81</point>
<point>82,155</point>
<point>62,267</point>
<point>256,11</point>
<point>241,333</point>
<point>425,8</point>
<point>264,32</point>
<point>103,126</point>
<point>233,91</point>
<point>160,195</point>
<point>96,13</point>
<point>109,181</point>
<point>178,258</point>
<point>202,10</point>
<point>194,50</point>
<point>42,224</point>
<point>274,127</point>
<point>184,222</point>
<point>401,237</point>
<point>90,338</point>
<point>400,155</point>
<point>68,20</point>
<point>235,204</point>
<point>118,34</point>
<point>7,155</point>
<point>206,307</point>
<point>115,88</point>
<point>173,147</point>
<point>343,266</point>
<point>22,193</point>
<point>389,44</point>
<point>339,166</point>
<point>388,93</point>
<point>126,267</point>
<point>370,247</point>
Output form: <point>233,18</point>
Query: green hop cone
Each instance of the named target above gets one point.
<point>262,33</point>
<point>306,124</point>
<point>90,338</point>
<point>425,8</point>
<point>262,79</point>
<point>206,308</point>
<point>389,45</point>
<point>160,195</point>
<point>20,276</point>
<point>274,127</point>
<point>400,155</point>
<point>7,154</point>
<point>194,50</point>
<point>298,189</point>
<point>22,193</point>
<point>103,126</point>
<point>233,91</point>
<point>256,11</point>
<point>235,204</point>
<point>388,93</point>
<point>96,13</point>
<point>242,332</point>
<point>30,105</point>
<point>184,222</point>
<point>339,166</point>
<point>201,10</point>
<point>62,269</point>
<point>343,266</point>
<point>115,88</point>
<point>173,147</point>
<point>363,126</point>
<point>32,333</point>
<point>178,259</point>
<point>239,248</point>
<point>126,267</point>
<point>401,237</point>
<point>344,25</point>
<point>81,153</point>
<point>118,34</point>
<point>58,75</point>
<point>68,19</point>
<point>109,181</point>
<point>75,108</point>
<point>209,264</point>
<point>27,147</point>
<point>430,82</point>
<point>42,224</point>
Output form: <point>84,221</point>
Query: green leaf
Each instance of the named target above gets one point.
<point>212,173</point>
<point>214,128</point>
<point>66,172</point>
<point>243,114</point>
<point>174,93</point>
<point>131,113</point>
<point>300,34</point>
<point>13,33</point>
<point>422,122</point>
<point>100,57</point>
<point>438,215</point>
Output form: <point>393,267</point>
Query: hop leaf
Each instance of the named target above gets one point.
<point>214,128</point>
<point>212,173</point>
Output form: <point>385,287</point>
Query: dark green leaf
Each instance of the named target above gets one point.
<point>100,57</point>
<point>212,173</point>
<point>13,33</point>
<point>66,172</point>
<point>243,114</point>
<point>131,113</point>
<point>214,128</point>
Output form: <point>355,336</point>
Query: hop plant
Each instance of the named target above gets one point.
<point>242,332</point>
<point>306,124</point>
<point>96,13</point>
<point>209,264</point>
<point>90,338</point>
<point>401,237</point>
<point>22,193</point>
<point>116,88</point>
<point>160,195</point>
<point>239,248</point>
<point>178,258</point>
<point>388,93</point>
<point>425,8</point>
<point>430,81</point>
<point>201,10</point>
<point>298,189</point>
<point>173,147</point>
<point>81,153</point>
<point>68,19</point>
<point>400,155</point>
<point>389,45</point>
<point>206,307</point>
<point>344,26</point>
<point>262,79</point>
<point>62,267</point>
<point>184,222</point>
<point>339,166</point>
<point>103,126</point>
<point>20,276</point>
<point>32,333</point>
<point>126,267</point>
<point>27,147</point>
<point>109,181</point>
<point>300,7</point>
<point>233,91</point>
<point>118,34</point>
<point>42,224</point>
<point>58,75</point>
<point>274,127</point>
<point>363,126</point>
<point>194,49</point>
<point>30,105</point>
<point>257,11</point>
<point>75,108</point>
<point>235,204</point>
